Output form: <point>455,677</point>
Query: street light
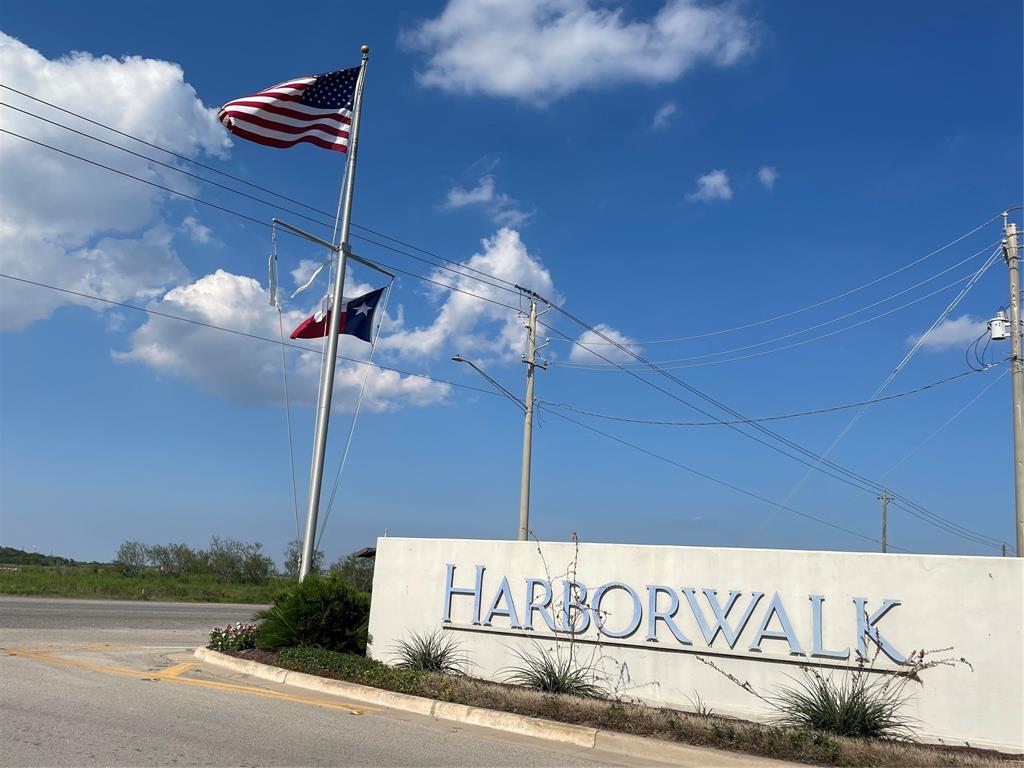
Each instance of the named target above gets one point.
<point>482,372</point>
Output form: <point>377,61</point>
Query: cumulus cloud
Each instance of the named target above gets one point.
<point>249,370</point>
<point>711,187</point>
<point>66,222</point>
<point>768,175</point>
<point>504,210</point>
<point>952,332</point>
<point>465,325</point>
<point>537,51</point>
<point>605,351</point>
<point>664,116</point>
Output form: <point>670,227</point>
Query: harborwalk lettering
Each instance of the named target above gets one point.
<point>655,609</point>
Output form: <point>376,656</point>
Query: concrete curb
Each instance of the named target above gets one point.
<point>580,736</point>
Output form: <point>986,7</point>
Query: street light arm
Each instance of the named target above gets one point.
<point>478,369</point>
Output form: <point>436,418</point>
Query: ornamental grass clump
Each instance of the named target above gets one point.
<point>555,672</point>
<point>233,637</point>
<point>321,612</point>
<point>847,704</point>
<point>433,652</point>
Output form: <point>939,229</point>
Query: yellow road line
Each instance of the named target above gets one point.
<point>177,669</point>
<point>173,675</point>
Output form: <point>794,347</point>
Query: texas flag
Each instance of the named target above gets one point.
<point>356,319</point>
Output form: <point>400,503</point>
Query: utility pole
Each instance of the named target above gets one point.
<point>1004,549</point>
<point>885,498</point>
<point>530,358</point>
<point>1017,368</point>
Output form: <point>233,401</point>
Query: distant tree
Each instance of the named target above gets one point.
<point>357,571</point>
<point>177,560</point>
<point>257,567</point>
<point>131,558</point>
<point>293,559</point>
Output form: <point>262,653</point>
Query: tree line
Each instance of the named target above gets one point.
<point>234,561</point>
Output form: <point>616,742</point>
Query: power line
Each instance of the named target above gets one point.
<point>508,285</point>
<point>945,424</point>
<point>713,479</point>
<point>823,323</point>
<point>761,419</point>
<point>239,214</point>
<point>783,348</point>
<point>150,311</point>
<point>823,302</point>
<point>420,277</point>
<point>847,476</point>
<point>236,332</point>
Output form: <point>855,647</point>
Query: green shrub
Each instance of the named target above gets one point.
<point>326,613</point>
<point>355,669</point>
<point>556,672</point>
<point>433,652</point>
<point>847,704</point>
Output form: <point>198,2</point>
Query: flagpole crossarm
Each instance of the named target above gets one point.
<point>343,247</point>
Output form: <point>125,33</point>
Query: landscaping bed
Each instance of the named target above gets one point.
<point>708,730</point>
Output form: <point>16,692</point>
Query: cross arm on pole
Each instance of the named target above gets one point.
<point>331,247</point>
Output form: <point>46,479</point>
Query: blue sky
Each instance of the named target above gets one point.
<point>666,170</point>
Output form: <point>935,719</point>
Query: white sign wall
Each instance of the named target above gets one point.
<point>653,620</point>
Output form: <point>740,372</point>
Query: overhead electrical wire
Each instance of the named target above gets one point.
<point>449,287</point>
<point>236,332</point>
<point>783,348</point>
<point>830,321</point>
<point>212,326</point>
<point>844,475</point>
<point>762,419</point>
<point>946,423</point>
<point>509,285</point>
<point>241,215</point>
<point>892,375</point>
<point>443,285</point>
<point>823,302</point>
<point>713,479</point>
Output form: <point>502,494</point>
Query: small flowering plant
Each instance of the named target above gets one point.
<point>233,637</point>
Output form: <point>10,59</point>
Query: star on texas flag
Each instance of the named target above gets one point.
<point>356,319</point>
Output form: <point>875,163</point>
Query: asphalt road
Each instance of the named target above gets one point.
<point>114,683</point>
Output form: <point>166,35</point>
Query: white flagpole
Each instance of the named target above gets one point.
<point>327,377</point>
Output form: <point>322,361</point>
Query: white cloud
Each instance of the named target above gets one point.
<point>950,333</point>
<point>196,230</point>
<point>540,50</point>
<point>249,370</point>
<point>768,175</point>
<point>712,186</point>
<point>605,351</point>
<point>68,223</point>
<point>664,116</point>
<point>467,326</point>
<point>481,193</point>
<point>117,269</point>
<point>504,210</point>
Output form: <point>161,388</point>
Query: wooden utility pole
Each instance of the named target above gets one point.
<point>885,498</point>
<point>1017,369</point>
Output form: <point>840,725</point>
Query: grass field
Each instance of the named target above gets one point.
<point>102,581</point>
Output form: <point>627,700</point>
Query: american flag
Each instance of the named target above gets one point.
<point>316,109</point>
